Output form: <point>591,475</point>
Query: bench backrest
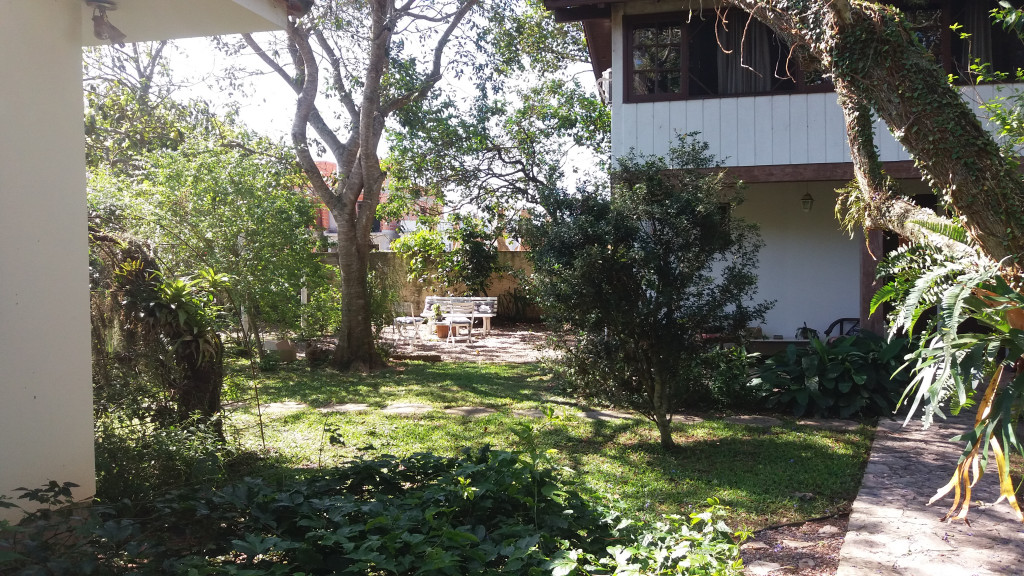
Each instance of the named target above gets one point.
<point>482,305</point>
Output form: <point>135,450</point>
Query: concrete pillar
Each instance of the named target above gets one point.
<point>46,425</point>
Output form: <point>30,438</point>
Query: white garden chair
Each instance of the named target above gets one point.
<point>457,316</point>
<point>404,321</point>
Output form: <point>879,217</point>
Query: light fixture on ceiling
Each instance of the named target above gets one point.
<point>807,202</point>
<point>298,8</point>
<point>101,26</point>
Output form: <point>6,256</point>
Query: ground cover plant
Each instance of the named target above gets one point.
<point>761,474</point>
<point>486,512</point>
<point>860,375</point>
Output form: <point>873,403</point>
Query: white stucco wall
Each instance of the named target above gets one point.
<point>807,265</point>
<point>45,385</point>
<point>46,430</point>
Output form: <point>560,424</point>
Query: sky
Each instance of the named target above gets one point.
<point>268,105</point>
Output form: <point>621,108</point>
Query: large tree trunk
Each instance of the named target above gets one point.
<point>878,64</point>
<point>200,390</point>
<point>356,348</point>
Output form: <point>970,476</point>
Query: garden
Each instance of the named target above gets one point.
<point>645,440</point>
<point>215,456</point>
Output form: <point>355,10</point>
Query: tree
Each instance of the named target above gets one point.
<point>644,277</point>
<point>239,210</point>
<point>130,109</point>
<point>163,326</point>
<point>528,121</point>
<point>357,64</point>
<point>879,67</point>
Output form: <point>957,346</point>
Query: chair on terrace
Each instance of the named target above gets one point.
<point>406,320</point>
<point>457,316</point>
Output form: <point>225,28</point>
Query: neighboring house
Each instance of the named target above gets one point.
<point>662,71</point>
<point>46,425</point>
<point>382,233</point>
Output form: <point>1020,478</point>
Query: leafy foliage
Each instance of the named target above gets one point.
<point>238,211</point>
<point>855,375</point>
<point>970,323</point>
<point>465,268</point>
<point>485,513</point>
<point>644,277</point>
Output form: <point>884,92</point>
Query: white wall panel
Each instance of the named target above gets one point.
<point>663,137</point>
<point>746,139</point>
<point>781,130</point>
<point>817,137</point>
<point>763,129</point>
<point>728,146</point>
<point>694,115</point>
<point>712,122</point>
<point>798,129</point>
<point>836,146</point>
<point>645,128</point>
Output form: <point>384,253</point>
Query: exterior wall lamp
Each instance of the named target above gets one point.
<point>101,27</point>
<point>807,202</point>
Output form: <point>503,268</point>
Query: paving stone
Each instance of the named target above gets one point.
<point>529,413</point>
<point>470,411</point>
<point>828,530</point>
<point>893,532</point>
<point>686,419</point>
<point>797,544</point>
<point>760,568</point>
<point>282,407</point>
<point>605,415</point>
<point>348,407</point>
<point>753,420</point>
<point>805,564</point>
<point>406,408</point>
<point>754,545</point>
<point>829,424</point>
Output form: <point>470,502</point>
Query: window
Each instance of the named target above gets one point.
<point>677,56</point>
<point>986,43</point>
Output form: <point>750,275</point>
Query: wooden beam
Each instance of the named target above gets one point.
<point>558,4</point>
<point>814,172</point>
<point>600,12</point>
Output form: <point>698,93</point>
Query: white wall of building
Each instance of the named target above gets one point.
<point>748,130</point>
<point>809,266</point>
<point>46,426</point>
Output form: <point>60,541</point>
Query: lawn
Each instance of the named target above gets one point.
<point>766,476</point>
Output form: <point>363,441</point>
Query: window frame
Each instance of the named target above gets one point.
<point>630,22</point>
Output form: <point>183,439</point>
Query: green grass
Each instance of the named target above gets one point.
<point>759,473</point>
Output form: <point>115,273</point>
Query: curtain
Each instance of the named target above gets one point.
<point>978,24</point>
<point>747,69</point>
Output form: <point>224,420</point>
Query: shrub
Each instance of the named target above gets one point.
<point>137,460</point>
<point>850,376</point>
<point>641,275</point>
<point>488,512</point>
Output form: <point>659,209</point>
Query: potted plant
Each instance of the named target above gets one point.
<point>442,330</point>
<point>806,333</point>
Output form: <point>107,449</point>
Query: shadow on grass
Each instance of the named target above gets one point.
<point>766,475</point>
<point>492,385</point>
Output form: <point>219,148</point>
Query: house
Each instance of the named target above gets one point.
<point>662,69</point>
<point>46,426</point>
<point>382,233</point>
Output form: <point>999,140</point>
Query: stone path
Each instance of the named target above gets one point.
<point>893,532</point>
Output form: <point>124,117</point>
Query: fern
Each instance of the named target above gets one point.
<point>950,230</point>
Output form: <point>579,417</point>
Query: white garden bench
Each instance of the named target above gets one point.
<point>484,307</point>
